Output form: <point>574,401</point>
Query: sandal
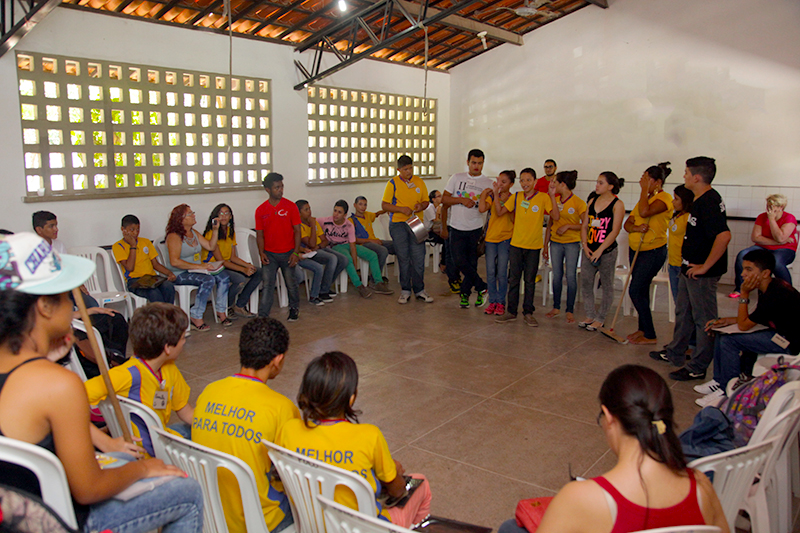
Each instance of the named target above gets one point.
<point>592,327</point>
<point>227,322</point>
<point>201,327</point>
<point>642,340</point>
<point>584,325</point>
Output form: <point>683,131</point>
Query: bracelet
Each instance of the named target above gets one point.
<point>744,300</point>
<point>134,248</point>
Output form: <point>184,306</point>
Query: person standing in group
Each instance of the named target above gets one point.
<point>704,262</point>
<point>543,183</point>
<point>404,197</point>
<point>599,242</point>
<point>647,229</point>
<point>461,195</point>
<point>278,238</point>
<point>529,207</point>
<point>564,239</point>
<point>498,240</point>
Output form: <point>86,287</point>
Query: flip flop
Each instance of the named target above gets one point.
<point>201,327</point>
<point>227,322</point>
<point>584,325</point>
<point>642,341</point>
<point>552,314</point>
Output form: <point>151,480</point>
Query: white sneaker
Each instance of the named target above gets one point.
<point>425,297</point>
<point>713,398</point>
<point>706,388</point>
<point>404,296</point>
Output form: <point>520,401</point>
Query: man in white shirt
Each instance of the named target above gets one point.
<point>461,195</point>
<point>45,224</point>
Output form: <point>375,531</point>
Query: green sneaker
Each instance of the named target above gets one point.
<point>464,301</point>
<point>480,301</point>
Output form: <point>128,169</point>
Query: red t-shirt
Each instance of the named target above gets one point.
<point>277,223</point>
<point>542,184</point>
<point>763,221</point>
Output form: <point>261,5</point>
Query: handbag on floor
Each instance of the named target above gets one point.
<point>530,512</point>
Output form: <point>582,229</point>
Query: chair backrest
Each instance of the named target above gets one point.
<point>341,519</point>
<point>734,473</point>
<point>93,253</point>
<point>74,364</point>
<point>683,529</point>
<point>137,415</point>
<point>80,326</point>
<point>202,464</point>
<point>48,470</point>
<point>304,479</point>
<point>246,246</point>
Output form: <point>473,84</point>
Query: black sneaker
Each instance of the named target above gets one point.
<point>325,297</point>
<point>684,374</point>
<point>455,286</point>
<point>316,301</point>
<point>660,355</point>
<point>294,314</point>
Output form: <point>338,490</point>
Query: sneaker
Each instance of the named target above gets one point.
<point>480,301</point>
<point>684,374</point>
<point>422,295</point>
<point>325,297</point>
<point>707,388</point>
<point>734,294</point>
<point>538,278</point>
<point>500,310</point>
<point>660,355</point>
<point>385,279</point>
<point>294,314</point>
<point>506,317</point>
<point>316,301</point>
<point>713,398</point>
<point>490,309</point>
<point>464,301</point>
<point>382,288</point>
<point>404,296</point>
<point>455,286</point>
<point>364,292</point>
<point>231,314</point>
<point>529,320</point>
<point>241,311</point>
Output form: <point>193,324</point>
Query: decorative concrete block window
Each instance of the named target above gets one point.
<point>356,135</point>
<point>103,129</point>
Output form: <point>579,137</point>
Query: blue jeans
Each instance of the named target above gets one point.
<point>728,364</point>
<point>674,275</point>
<point>510,526</point>
<point>696,305</point>
<point>318,271</point>
<point>410,257</point>
<point>334,261</point>
<point>238,279</point>
<point>648,263</point>
<point>163,293</point>
<point>205,284</point>
<point>383,250</point>
<point>497,270</point>
<point>569,252</point>
<point>269,273</point>
<point>783,258</point>
<point>176,506</point>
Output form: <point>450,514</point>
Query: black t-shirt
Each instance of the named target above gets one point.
<point>779,309</point>
<point>707,219</point>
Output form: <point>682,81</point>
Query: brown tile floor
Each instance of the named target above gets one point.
<point>490,413</point>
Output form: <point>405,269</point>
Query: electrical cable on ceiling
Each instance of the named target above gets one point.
<point>425,86</point>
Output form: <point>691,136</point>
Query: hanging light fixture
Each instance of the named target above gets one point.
<point>342,5</point>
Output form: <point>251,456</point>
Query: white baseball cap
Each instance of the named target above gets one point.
<point>29,264</point>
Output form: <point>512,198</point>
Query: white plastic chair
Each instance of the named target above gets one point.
<point>135,414</point>
<point>203,464</point>
<point>138,301</point>
<point>250,253</point>
<point>437,255</point>
<point>74,363</point>
<point>683,529</point>
<point>48,470</point>
<point>734,474</point>
<point>341,519</point>
<point>103,294</point>
<point>304,479</point>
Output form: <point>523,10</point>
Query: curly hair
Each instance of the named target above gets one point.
<point>175,222</point>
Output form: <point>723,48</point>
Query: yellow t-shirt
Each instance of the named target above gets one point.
<point>145,253</point>
<point>365,222</point>
<point>134,380</point>
<point>529,218</point>
<point>571,211</point>
<point>305,232</point>
<point>500,227</point>
<point>225,247</point>
<point>359,448</point>
<point>405,195</point>
<point>677,230</point>
<point>233,415</point>
<point>656,236</point>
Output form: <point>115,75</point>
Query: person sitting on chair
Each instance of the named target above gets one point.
<point>139,261</point>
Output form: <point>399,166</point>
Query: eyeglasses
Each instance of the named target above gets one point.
<point>225,213</point>
<point>189,214</point>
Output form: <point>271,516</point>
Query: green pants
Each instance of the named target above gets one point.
<point>365,254</point>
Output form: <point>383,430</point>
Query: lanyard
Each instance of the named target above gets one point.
<point>251,378</point>
<point>158,377</point>
<point>563,202</point>
<point>532,195</point>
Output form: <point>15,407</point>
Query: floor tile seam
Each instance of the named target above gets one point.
<point>538,410</point>
<point>481,468</point>
<point>465,411</point>
<point>494,396</point>
<point>446,387</point>
<point>502,354</point>
<point>596,462</point>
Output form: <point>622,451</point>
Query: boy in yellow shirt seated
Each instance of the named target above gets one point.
<point>139,261</point>
<point>236,413</point>
<point>157,333</point>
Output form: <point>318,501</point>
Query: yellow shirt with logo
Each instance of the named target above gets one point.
<point>134,380</point>
<point>366,222</point>
<point>305,232</point>
<point>528,219</point>
<point>359,448</point>
<point>500,227</point>
<point>571,211</point>
<point>404,194</point>
<point>677,230</point>
<point>225,247</point>
<point>233,415</point>
<point>656,235</point>
<point>145,253</point>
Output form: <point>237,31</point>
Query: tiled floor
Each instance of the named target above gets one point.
<point>490,413</point>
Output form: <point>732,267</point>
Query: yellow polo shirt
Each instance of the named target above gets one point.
<point>571,211</point>
<point>677,230</point>
<point>305,232</point>
<point>404,194</point>
<point>225,247</point>
<point>145,253</point>
<point>500,227</point>
<point>656,235</point>
<point>528,219</point>
<point>366,222</point>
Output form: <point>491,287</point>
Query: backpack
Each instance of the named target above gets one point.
<point>746,405</point>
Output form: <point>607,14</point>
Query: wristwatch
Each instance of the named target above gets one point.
<point>744,300</point>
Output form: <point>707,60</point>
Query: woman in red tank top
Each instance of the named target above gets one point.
<point>650,486</point>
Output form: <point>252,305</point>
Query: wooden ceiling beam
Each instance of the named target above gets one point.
<point>465,24</point>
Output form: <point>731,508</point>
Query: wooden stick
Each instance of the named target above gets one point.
<point>101,363</point>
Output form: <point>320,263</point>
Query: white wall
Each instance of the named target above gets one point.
<point>81,34</point>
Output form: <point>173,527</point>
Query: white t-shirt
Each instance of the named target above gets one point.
<point>462,185</point>
<point>428,216</point>
<point>58,246</point>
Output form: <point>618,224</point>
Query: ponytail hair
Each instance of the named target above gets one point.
<point>568,178</point>
<point>613,180</point>
<point>640,399</point>
<point>659,172</point>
